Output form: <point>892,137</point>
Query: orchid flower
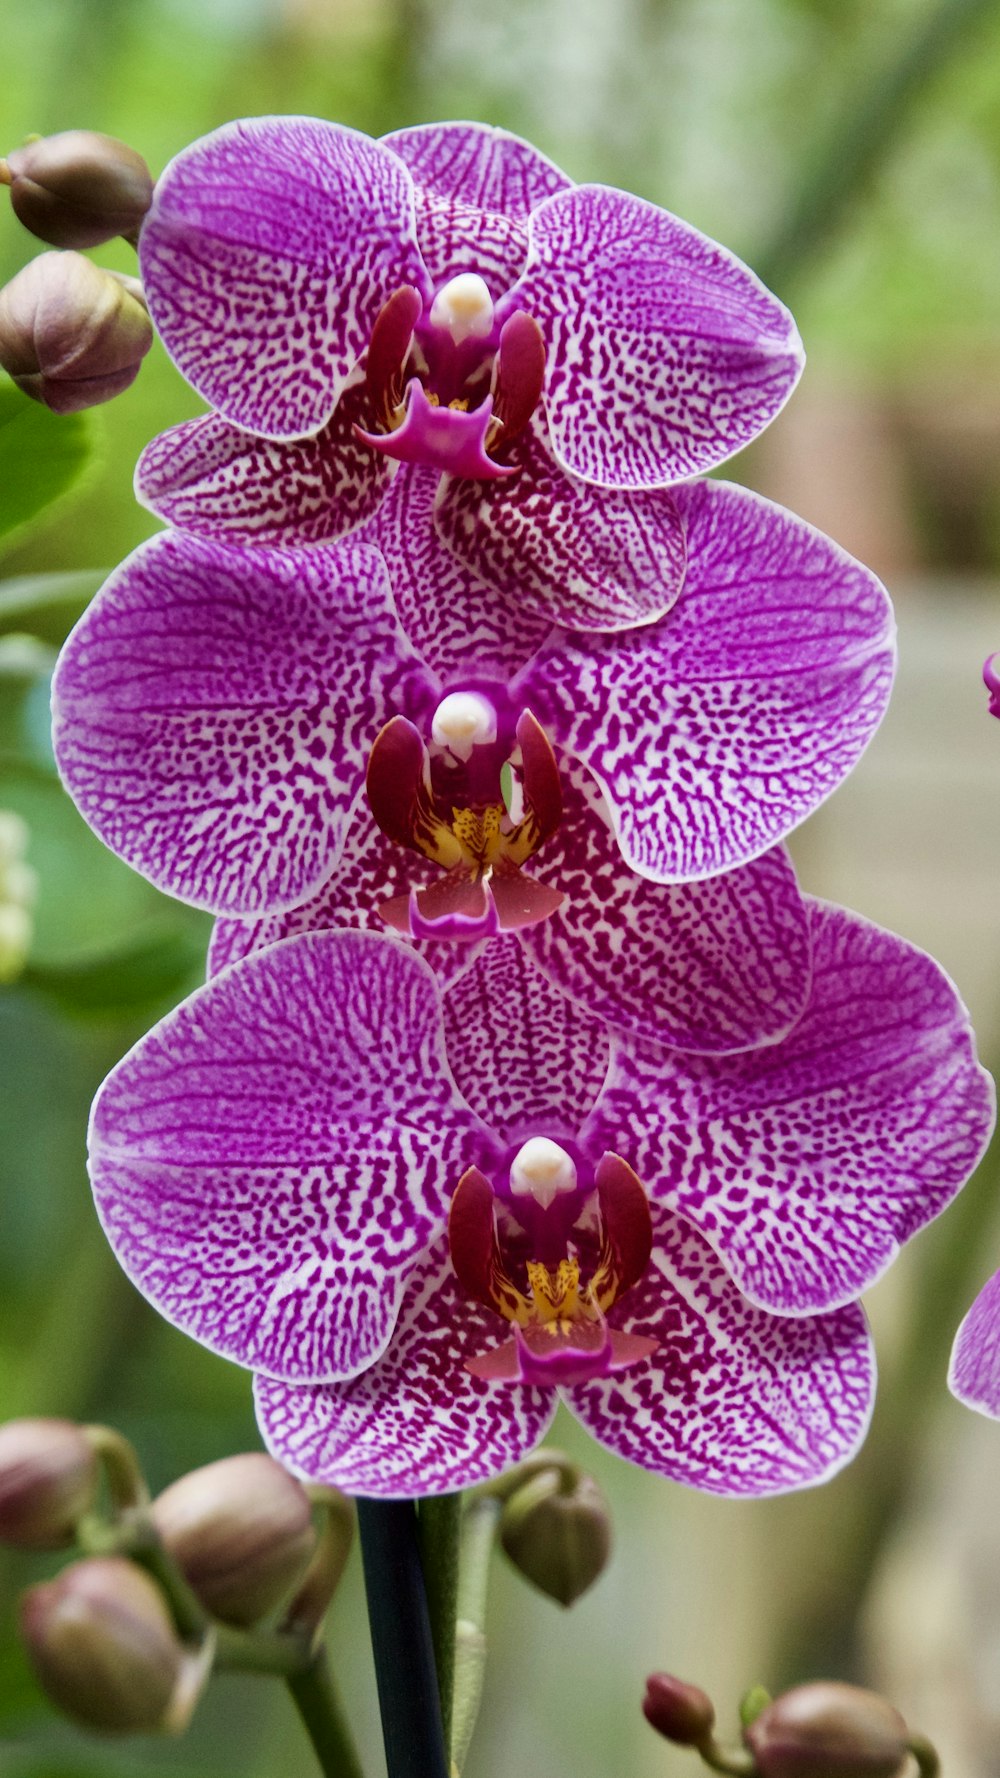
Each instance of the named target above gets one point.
<point>423,1216</point>
<point>447,298</point>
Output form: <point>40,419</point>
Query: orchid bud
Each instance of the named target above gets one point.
<point>78,188</point>
<point>241,1532</point>
<point>828,1730</point>
<point>103,1645</point>
<point>680,1712</point>
<point>557,1531</point>
<point>18,888</point>
<point>48,1476</point>
<point>71,334</point>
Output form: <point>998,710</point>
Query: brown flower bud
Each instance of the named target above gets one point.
<point>241,1531</point>
<point>103,1645</point>
<point>71,334</point>
<point>79,188</point>
<point>48,1478</point>
<point>682,1713</point>
<point>828,1730</point>
<point>558,1533</point>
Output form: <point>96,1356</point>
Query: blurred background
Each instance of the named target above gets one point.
<point>850,150</point>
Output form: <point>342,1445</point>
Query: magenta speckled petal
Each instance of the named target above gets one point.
<point>807,1164</point>
<point>416,1422</point>
<point>712,966</point>
<point>525,1057</point>
<point>974,1373</point>
<point>275,1155</point>
<point>457,622</point>
<point>371,870</point>
<point>584,557</point>
<point>734,1401</point>
<point>665,353</point>
<point>210,477</point>
<point>475,188</point>
<point>717,731</point>
<point>214,709</point>
<point>270,248</point>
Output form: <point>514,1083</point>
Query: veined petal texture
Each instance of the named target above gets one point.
<point>808,1163</point>
<point>665,353</point>
<point>214,709</point>
<point>274,1156</point>
<point>716,731</point>
<point>974,1374</point>
<point>269,249</point>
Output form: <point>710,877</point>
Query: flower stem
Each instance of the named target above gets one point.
<point>439,1523</point>
<point>401,1640</point>
<point>479,1528</point>
<point>317,1703</point>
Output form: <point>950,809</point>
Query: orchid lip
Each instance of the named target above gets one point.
<point>451,439</point>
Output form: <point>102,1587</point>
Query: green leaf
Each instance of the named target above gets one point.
<point>42,456</point>
<point>47,605</point>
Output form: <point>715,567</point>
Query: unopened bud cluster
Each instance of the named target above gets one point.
<point>79,188</point>
<point>18,887</point>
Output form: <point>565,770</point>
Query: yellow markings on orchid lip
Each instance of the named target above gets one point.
<point>555,1295</point>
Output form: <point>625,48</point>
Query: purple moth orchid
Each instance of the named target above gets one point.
<point>446,298</point>
<point>423,1215</point>
<point>991,680</point>
<point>217,711</point>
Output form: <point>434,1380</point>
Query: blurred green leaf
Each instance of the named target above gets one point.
<point>42,456</point>
<point>150,967</point>
<point>47,605</point>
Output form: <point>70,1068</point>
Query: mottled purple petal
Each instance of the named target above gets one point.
<point>371,870</point>
<point>809,1163</point>
<point>666,354</point>
<point>476,187</point>
<point>717,731</point>
<point>734,1401</point>
<point>527,1059</point>
<point>459,623</point>
<point>416,1422</point>
<point>710,966</point>
<point>214,709</point>
<point>974,1373</point>
<point>584,557</point>
<point>271,1160</point>
<point>210,477</point>
<point>270,248</point>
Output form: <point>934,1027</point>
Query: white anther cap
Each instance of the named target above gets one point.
<point>464,306</point>
<point>542,1170</point>
<point>462,720</point>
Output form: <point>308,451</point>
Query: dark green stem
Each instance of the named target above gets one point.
<point>401,1640</point>
<point>844,160</point>
<point>316,1701</point>
<point>439,1525</point>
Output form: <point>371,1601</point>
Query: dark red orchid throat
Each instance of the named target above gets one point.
<point>447,384</point>
<point>478,799</point>
<point>550,1252</point>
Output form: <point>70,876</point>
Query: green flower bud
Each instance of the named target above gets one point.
<point>828,1730</point>
<point>557,1530</point>
<point>241,1531</point>
<point>48,1475</point>
<point>682,1713</point>
<point>104,1647</point>
<point>71,334</point>
<point>79,188</point>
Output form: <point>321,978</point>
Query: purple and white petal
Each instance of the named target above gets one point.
<point>716,731</point>
<point>271,1159</point>
<point>269,249</point>
<point>974,1372</point>
<point>624,564</point>
<point>208,476</point>
<point>459,623</point>
<point>371,870</point>
<point>416,1422</point>
<point>734,1401</point>
<point>712,966</point>
<point>214,709</point>
<point>809,1163</point>
<point>475,189</point>
<point>528,1060</point>
<point>665,353</point>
